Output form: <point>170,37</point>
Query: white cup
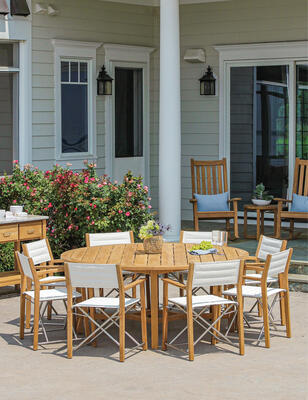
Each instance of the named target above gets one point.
<point>9,215</point>
<point>16,209</point>
<point>223,238</point>
<point>215,238</point>
<point>2,213</point>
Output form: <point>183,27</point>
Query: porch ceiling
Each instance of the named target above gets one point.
<point>152,3</point>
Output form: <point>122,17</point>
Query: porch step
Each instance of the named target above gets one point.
<point>298,267</point>
<point>298,283</point>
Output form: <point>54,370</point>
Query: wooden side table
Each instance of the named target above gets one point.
<point>260,210</point>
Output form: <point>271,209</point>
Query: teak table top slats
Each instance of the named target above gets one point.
<point>174,256</point>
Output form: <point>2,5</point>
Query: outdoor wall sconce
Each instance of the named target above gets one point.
<point>104,83</point>
<point>20,7</point>
<point>208,83</point>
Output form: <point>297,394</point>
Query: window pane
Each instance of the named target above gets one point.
<point>83,72</point>
<point>6,123</point>
<point>6,55</point>
<point>74,118</point>
<point>302,111</point>
<point>64,71</point>
<point>128,112</point>
<point>74,72</point>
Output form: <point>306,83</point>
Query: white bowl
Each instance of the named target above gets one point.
<point>259,202</point>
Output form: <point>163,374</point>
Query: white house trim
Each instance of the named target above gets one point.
<point>18,29</point>
<point>257,54</point>
<point>153,3</point>
<point>70,49</point>
<point>116,53</point>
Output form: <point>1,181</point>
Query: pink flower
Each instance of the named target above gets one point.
<point>49,205</point>
<point>138,186</point>
<point>88,217</point>
<point>146,188</point>
<point>149,198</point>
<point>127,213</point>
<point>149,206</point>
<point>69,227</point>
<point>14,201</point>
<point>104,183</point>
<point>115,182</point>
<point>15,162</point>
<point>92,223</point>
<point>130,194</point>
<point>94,205</point>
<point>92,179</point>
<point>86,180</point>
<point>45,208</point>
<point>120,211</point>
<point>99,185</point>
<point>75,208</point>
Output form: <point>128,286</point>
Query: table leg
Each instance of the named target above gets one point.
<point>262,222</point>
<point>245,223</point>
<point>258,224</point>
<point>154,310</point>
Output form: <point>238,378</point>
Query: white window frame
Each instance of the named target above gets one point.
<point>69,50</point>
<point>258,54</point>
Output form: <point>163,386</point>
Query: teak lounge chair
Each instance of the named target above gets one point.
<point>300,188</point>
<point>210,178</point>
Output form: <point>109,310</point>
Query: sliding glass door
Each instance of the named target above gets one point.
<point>260,145</point>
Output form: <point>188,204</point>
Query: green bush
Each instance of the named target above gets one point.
<point>6,257</point>
<point>76,203</point>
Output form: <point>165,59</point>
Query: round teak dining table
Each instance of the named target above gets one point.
<point>131,257</point>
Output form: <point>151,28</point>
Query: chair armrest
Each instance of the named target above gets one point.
<point>134,284</point>
<point>45,272</point>
<point>58,261</point>
<point>255,264</point>
<point>282,200</point>
<point>50,268</point>
<point>235,199</point>
<point>251,278</point>
<point>254,267</point>
<point>193,200</point>
<point>174,283</point>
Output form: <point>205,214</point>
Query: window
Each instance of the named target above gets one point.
<point>74,106</point>
<point>75,66</point>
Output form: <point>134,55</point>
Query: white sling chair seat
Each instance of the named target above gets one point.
<point>106,302</point>
<point>252,291</point>
<point>201,301</point>
<point>52,294</point>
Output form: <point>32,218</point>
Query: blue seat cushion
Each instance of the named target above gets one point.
<point>212,202</point>
<point>299,203</point>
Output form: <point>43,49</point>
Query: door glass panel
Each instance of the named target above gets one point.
<point>302,111</point>
<point>128,112</point>
<point>259,119</point>
<point>6,55</point>
<point>6,123</point>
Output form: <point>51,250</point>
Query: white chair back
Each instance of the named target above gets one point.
<point>196,237</point>
<point>216,273</point>
<point>25,266</point>
<point>103,239</point>
<point>38,251</point>
<point>278,263</point>
<point>269,246</point>
<point>93,275</point>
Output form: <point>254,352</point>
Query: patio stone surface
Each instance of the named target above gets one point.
<point>218,372</point>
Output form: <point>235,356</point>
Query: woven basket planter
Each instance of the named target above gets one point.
<point>153,245</point>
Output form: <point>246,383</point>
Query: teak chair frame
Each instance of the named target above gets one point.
<point>214,327</point>
<point>210,177</point>
<point>300,187</point>
<point>96,328</point>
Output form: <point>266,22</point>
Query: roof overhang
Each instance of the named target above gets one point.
<point>155,3</point>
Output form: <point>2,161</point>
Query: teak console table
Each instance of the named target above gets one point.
<point>18,230</point>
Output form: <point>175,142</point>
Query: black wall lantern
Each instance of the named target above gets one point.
<point>208,83</point>
<point>104,82</point>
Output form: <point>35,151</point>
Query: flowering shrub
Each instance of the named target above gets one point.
<point>77,202</point>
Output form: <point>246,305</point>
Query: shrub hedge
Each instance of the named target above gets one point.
<point>75,202</point>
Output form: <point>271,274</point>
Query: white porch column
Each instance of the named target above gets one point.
<point>170,119</point>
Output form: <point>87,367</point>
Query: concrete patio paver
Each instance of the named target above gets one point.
<point>217,373</point>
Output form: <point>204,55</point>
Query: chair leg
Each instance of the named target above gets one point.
<point>287,312</point>
<point>278,227</point>
<point>235,222</point>
<point>181,279</point>
<point>122,334</point>
<point>36,323</point>
<point>266,320</point>
<point>196,222</point>
<point>190,332</point>
<point>134,290</point>
<point>28,305</point>
<point>69,333</point>
<point>22,317</point>
<point>49,310</point>
<point>240,325</point>
<point>291,231</point>
<point>282,303</point>
<point>216,313</point>
<point>165,317</point>
<point>143,318</point>
<point>259,310</point>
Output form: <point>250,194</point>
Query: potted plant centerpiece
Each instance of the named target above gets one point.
<point>151,234</point>
<point>260,196</point>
